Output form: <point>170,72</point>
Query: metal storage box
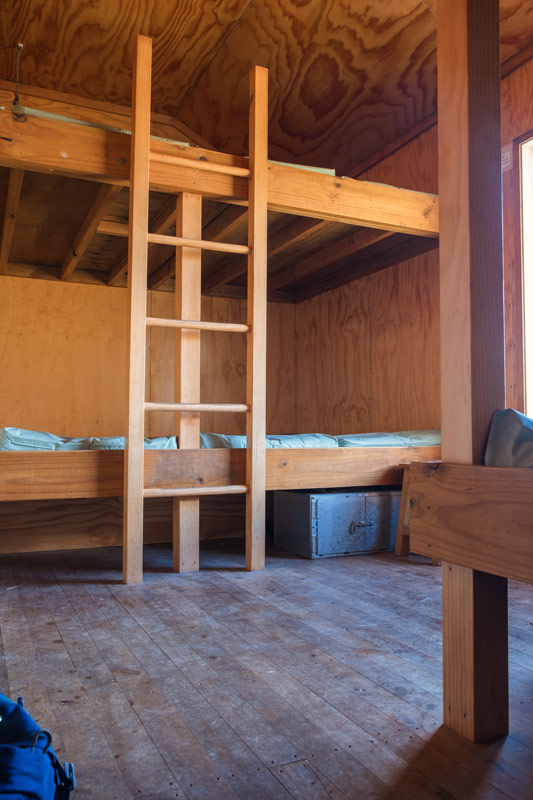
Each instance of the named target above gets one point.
<point>336,522</point>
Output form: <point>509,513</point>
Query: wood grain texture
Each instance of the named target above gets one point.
<point>223,360</point>
<point>472,343</point>
<point>37,526</point>
<point>64,349</point>
<point>136,319</point>
<point>479,517</point>
<point>97,473</point>
<point>16,177</point>
<point>346,79</point>
<point>93,46</point>
<point>367,353</point>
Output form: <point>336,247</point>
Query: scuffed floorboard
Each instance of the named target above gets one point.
<point>312,680</point>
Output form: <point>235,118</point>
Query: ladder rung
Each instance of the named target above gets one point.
<point>201,244</point>
<point>194,491</point>
<point>226,327</point>
<point>208,166</point>
<point>228,407</point>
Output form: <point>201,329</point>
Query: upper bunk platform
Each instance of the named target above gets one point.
<point>65,181</point>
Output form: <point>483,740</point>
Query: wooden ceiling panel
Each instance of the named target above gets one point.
<point>345,78</point>
<point>86,48</point>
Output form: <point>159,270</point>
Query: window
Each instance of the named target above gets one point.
<point>527,244</point>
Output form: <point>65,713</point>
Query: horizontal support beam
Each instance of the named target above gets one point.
<point>80,151</point>
<point>474,516</point>
<point>99,473</point>
<point>327,256</point>
<point>193,325</point>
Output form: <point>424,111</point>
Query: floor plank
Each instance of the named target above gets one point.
<point>307,681</point>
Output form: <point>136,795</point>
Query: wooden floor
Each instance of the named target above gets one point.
<point>310,680</point>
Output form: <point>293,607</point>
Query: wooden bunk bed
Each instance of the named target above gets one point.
<point>103,155</point>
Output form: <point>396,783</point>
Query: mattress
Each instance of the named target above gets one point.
<point>510,440</point>
<point>22,439</point>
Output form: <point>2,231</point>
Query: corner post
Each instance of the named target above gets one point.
<point>472,343</point>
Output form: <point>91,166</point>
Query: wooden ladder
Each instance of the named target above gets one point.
<point>188,326</point>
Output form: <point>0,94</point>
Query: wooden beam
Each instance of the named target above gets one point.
<point>345,248</point>
<point>472,342</point>
<point>257,321</point>
<point>281,241</point>
<point>137,271</point>
<point>95,112</point>
<point>55,475</point>
<point>221,227</point>
<point>479,517</point>
<point>105,196</point>
<point>10,212</point>
<point>415,246</point>
<point>87,152</point>
<point>188,305</point>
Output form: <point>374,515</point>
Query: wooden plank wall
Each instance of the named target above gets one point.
<point>62,350</point>
<point>367,354</point>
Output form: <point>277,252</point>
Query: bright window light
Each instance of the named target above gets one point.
<point>527,240</point>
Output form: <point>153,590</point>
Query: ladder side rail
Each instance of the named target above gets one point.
<point>137,280</point>
<point>188,305</point>
<point>257,320</point>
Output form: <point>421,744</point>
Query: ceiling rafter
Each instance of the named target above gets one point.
<point>325,257</point>
<point>105,196</point>
<point>16,177</point>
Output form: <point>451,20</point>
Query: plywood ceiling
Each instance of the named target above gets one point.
<point>346,76</point>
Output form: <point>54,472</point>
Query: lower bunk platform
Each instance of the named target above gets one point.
<point>30,480</point>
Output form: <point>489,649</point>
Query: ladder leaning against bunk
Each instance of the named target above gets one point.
<point>188,326</point>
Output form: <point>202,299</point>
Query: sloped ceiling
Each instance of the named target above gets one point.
<point>346,76</point>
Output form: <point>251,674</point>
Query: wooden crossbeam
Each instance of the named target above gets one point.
<point>96,112</point>
<point>217,231</point>
<point>327,256</point>
<point>92,153</point>
<point>105,196</point>
<point>14,187</point>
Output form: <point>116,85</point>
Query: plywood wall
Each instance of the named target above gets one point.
<point>367,354</point>
<point>63,357</point>
<point>223,366</point>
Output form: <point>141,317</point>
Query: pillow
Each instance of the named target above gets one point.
<point>372,440</point>
<point>301,440</point>
<point>75,444</point>
<point>424,438</point>
<point>117,443</point>
<point>510,440</point>
<point>21,439</point>
<point>216,440</point>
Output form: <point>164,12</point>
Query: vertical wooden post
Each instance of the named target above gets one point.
<point>188,305</point>
<point>257,319</point>
<point>472,342</point>
<point>137,266</point>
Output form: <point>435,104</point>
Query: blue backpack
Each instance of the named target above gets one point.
<point>29,769</point>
